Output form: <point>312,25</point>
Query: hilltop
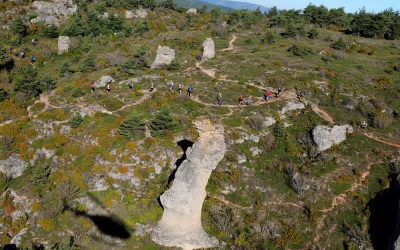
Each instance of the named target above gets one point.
<point>86,168</point>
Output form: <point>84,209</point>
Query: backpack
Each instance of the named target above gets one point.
<point>190,89</point>
<point>130,84</point>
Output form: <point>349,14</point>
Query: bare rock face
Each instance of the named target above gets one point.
<point>63,44</point>
<point>192,11</point>
<point>102,82</point>
<point>208,50</point>
<point>164,56</point>
<point>139,13</point>
<point>180,225</point>
<point>325,137</point>
<point>53,12</point>
<point>13,166</point>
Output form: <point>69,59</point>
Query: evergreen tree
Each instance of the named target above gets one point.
<point>26,81</point>
<point>133,127</point>
<point>18,27</point>
<point>75,121</point>
<point>50,31</point>
<point>3,94</point>
<point>313,33</point>
<point>162,122</point>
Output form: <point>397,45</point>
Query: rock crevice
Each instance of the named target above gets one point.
<point>180,225</point>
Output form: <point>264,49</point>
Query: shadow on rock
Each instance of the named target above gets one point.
<point>184,144</point>
<point>384,208</point>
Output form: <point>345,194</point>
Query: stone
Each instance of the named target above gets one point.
<point>292,105</point>
<point>269,121</point>
<point>63,44</point>
<point>53,12</point>
<point>17,238</point>
<point>90,110</point>
<point>13,166</point>
<point>42,153</point>
<point>192,11</point>
<point>180,225</point>
<point>139,13</point>
<point>165,56</point>
<point>208,50</point>
<point>325,137</point>
<point>102,82</point>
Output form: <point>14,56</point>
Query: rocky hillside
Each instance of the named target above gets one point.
<point>152,127</point>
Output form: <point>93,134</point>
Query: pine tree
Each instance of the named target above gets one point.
<point>134,127</point>
<point>162,123</point>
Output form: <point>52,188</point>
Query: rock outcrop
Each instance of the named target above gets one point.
<point>63,44</point>
<point>164,56</point>
<point>13,166</point>
<point>53,12</point>
<point>180,225</point>
<point>102,82</point>
<point>208,50</point>
<point>139,13</point>
<point>325,137</point>
<point>192,11</point>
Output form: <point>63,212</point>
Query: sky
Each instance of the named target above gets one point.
<point>350,6</point>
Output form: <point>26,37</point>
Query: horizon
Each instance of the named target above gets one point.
<point>349,6</point>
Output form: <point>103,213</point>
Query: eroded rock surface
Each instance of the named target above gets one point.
<point>180,225</point>
<point>139,13</point>
<point>325,137</point>
<point>208,50</point>
<point>165,56</point>
<point>63,44</point>
<point>13,166</point>
<point>53,12</point>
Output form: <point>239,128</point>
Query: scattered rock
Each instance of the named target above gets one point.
<point>255,151</point>
<point>208,50</point>
<point>91,110</point>
<point>325,137</point>
<point>241,159</point>
<point>180,225</point>
<point>17,238</point>
<point>41,154</point>
<point>192,11</point>
<point>139,13</point>
<point>269,121</point>
<point>292,105</point>
<point>165,56</point>
<point>63,44</point>
<point>13,166</point>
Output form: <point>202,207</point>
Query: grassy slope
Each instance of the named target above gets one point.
<point>261,184</point>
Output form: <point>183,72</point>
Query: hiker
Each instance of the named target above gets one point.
<point>278,92</point>
<point>22,54</point>
<point>32,59</point>
<point>180,87</point>
<point>363,125</point>
<point>241,99</point>
<point>171,86</point>
<point>108,87</point>
<point>93,87</point>
<point>190,90</point>
<point>151,87</point>
<point>33,42</point>
<point>130,85</point>
<point>267,95</point>
<point>11,49</point>
<point>219,99</point>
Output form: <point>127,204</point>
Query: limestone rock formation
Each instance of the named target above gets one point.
<point>325,137</point>
<point>63,44</point>
<point>102,82</point>
<point>164,56</point>
<point>208,50</point>
<point>13,166</point>
<point>180,225</point>
<point>53,12</point>
<point>139,13</point>
<point>192,11</point>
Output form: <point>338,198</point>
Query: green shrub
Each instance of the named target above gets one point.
<point>339,44</point>
<point>76,121</point>
<point>78,92</point>
<point>381,120</point>
<point>298,50</point>
<point>50,31</point>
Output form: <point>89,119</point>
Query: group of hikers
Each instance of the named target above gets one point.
<point>21,54</point>
<point>180,87</point>
<point>267,95</point>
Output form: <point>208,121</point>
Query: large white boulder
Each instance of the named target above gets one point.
<point>63,44</point>
<point>208,50</point>
<point>325,137</point>
<point>165,56</point>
